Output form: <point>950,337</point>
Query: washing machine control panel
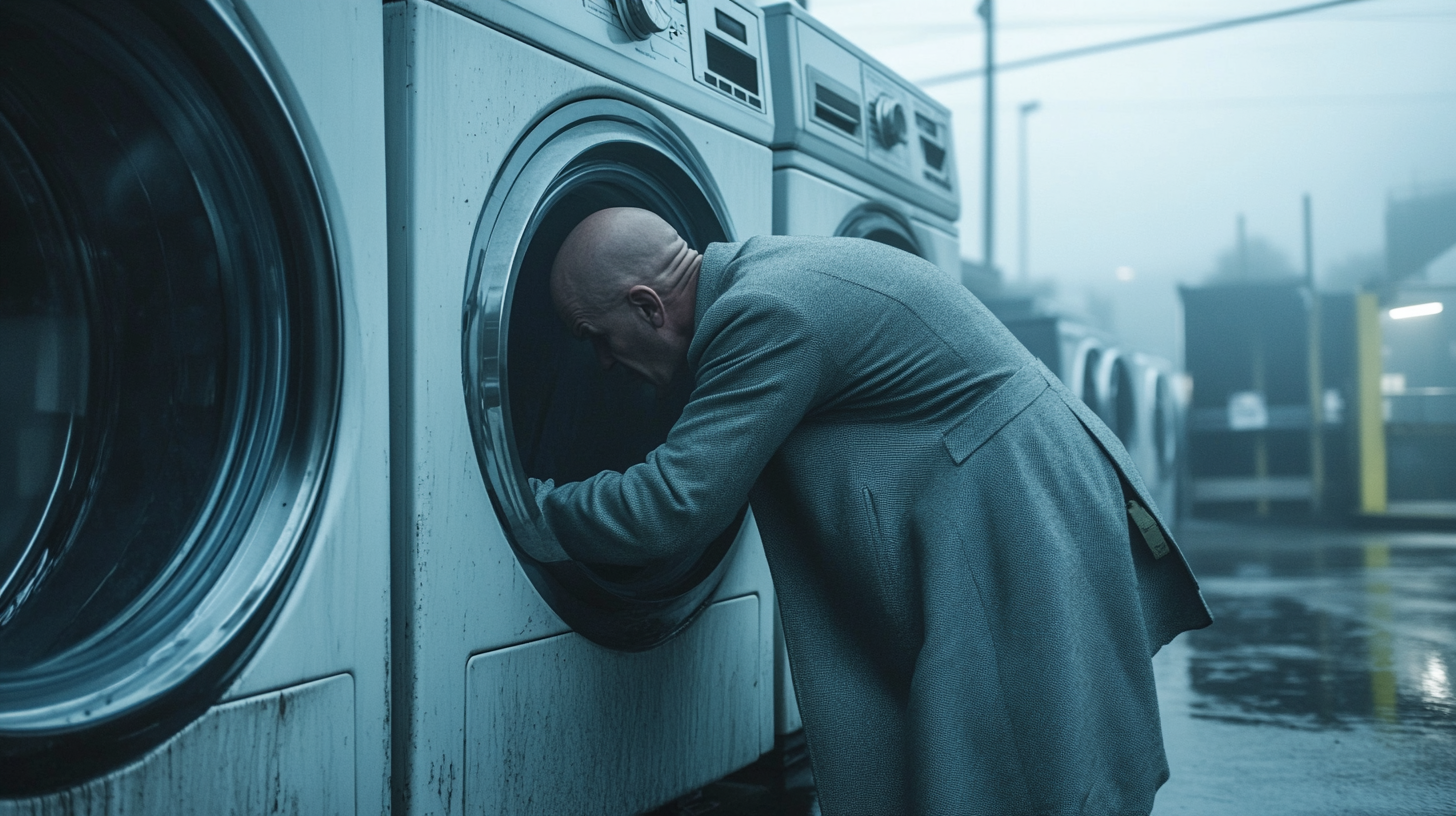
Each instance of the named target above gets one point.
<point>707,56</point>
<point>840,105</point>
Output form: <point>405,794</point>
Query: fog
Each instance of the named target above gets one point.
<point>1142,160</point>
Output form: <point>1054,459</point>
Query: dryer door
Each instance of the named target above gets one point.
<point>877,222</point>
<point>168,347</point>
<point>540,405</point>
<point>1117,396</point>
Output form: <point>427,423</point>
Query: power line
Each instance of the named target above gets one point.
<point>916,29</point>
<point>1305,100</point>
<point>1116,45</point>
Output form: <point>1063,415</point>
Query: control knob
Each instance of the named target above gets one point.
<point>890,125</point>
<point>643,18</point>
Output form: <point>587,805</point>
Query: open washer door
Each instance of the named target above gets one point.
<point>169,351</point>
<point>540,405</point>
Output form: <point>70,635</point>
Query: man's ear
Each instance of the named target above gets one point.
<point>647,303</point>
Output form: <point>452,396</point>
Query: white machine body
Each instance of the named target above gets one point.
<point>507,123</point>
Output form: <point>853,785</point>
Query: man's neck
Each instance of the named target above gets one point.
<point>682,309</point>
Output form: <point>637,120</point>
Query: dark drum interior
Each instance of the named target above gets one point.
<point>1090,363</point>
<point>1123,401</point>
<point>875,222</point>
<point>1164,442</point>
<point>894,238</point>
<point>571,419</point>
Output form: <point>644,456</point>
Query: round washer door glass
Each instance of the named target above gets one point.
<point>876,222</point>
<point>540,404</point>
<point>168,344</point>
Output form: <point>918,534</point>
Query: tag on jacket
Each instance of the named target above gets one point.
<point>1148,526</point>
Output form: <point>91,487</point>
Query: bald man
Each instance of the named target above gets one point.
<point>971,576</point>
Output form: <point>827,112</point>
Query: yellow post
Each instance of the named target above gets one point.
<point>1380,640</point>
<point>1371,410</point>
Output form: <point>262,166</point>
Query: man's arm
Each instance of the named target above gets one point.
<point>760,373</point>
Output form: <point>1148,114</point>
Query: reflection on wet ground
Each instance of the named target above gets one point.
<point>1325,685</point>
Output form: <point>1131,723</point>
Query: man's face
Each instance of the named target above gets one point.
<point>626,335</point>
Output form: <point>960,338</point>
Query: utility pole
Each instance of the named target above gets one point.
<point>1023,196</point>
<point>1243,250</point>
<point>1308,245</point>
<point>1316,373</point>
<point>987,11</point>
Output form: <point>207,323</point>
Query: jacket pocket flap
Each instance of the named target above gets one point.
<point>993,411</point>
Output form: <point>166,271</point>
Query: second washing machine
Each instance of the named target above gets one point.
<point>859,152</point>
<point>525,687</point>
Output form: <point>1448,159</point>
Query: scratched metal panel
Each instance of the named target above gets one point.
<point>287,752</point>
<point>328,57</point>
<point>562,725</point>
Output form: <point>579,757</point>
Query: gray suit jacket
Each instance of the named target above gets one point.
<point>969,615</point>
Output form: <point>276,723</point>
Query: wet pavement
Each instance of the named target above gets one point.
<point>1326,686</point>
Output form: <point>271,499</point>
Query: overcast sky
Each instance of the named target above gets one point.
<point>1144,158</point>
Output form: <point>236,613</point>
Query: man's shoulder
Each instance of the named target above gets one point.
<point>816,266</point>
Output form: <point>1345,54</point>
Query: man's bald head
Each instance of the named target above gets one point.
<point>626,280</point>
<point>609,252</point>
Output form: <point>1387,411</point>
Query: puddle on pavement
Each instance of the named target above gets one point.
<point>1278,658</point>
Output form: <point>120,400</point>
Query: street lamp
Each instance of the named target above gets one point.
<point>1022,199</point>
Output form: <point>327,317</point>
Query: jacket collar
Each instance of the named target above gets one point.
<point>712,280</point>
<point>713,277</point>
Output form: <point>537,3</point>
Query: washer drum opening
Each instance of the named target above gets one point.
<point>876,222</point>
<point>1118,397</point>
<point>1165,426</point>
<point>540,405</point>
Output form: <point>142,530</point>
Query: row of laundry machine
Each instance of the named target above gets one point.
<point>281,360</point>
<point>1142,398</point>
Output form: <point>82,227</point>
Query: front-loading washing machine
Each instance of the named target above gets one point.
<point>527,687</point>
<point>1072,350</point>
<point>1136,394</point>
<point>1156,442</point>
<point>194,549</point>
<point>859,152</point>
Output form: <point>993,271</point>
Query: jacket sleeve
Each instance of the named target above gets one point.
<point>759,373</point>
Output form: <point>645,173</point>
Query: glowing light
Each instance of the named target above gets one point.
<point>1124,273</point>
<point>1435,681</point>
<point>1418,310</point>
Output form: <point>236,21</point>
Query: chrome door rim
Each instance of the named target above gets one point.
<point>527,185</point>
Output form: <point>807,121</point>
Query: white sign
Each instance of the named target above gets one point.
<point>1247,411</point>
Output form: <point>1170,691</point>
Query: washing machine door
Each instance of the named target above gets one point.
<point>168,348</point>
<point>1085,368</point>
<point>1117,396</point>
<point>540,405</point>
<point>876,222</point>
<point>1165,427</point>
